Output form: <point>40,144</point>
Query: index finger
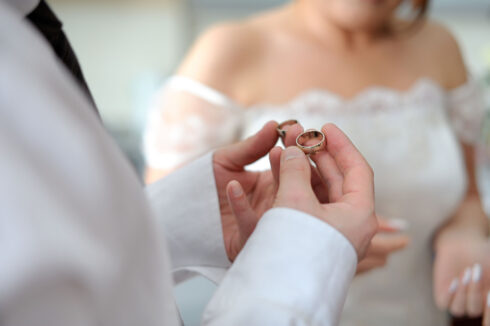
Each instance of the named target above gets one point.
<point>358,185</point>
<point>383,245</point>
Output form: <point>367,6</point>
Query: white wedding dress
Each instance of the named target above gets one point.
<point>410,139</point>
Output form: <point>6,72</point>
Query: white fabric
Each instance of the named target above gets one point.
<point>237,301</point>
<point>198,119</point>
<point>411,141</point>
<point>22,7</point>
<point>206,256</point>
<point>466,109</point>
<point>79,244</point>
<point>188,118</point>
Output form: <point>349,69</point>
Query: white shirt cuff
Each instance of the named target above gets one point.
<point>295,264</point>
<point>187,207</point>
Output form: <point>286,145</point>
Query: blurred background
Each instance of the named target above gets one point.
<point>128,47</point>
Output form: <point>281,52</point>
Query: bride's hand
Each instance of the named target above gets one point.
<point>386,242</point>
<point>462,275</point>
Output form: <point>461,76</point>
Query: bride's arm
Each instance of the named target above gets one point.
<point>465,111</point>
<point>462,264</point>
<point>470,217</point>
<point>187,119</point>
<point>195,111</point>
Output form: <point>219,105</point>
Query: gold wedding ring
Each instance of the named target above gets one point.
<point>280,129</point>
<point>311,141</point>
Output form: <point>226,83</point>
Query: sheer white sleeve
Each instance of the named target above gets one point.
<point>187,119</point>
<point>466,111</point>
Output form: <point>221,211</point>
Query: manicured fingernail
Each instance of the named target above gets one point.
<point>236,189</point>
<point>398,223</point>
<point>476,274</point>
<point>466,276</point>
<point>454,286</point>
<point>291,153</point>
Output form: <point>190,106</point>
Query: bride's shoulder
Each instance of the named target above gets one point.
<point>440,51</point>
<point>437,34</point>
<point>224,52</point>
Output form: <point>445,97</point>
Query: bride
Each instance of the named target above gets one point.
<point>399,89</point>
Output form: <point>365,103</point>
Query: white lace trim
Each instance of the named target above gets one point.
<point>190,118</point>
<point>182,83</point>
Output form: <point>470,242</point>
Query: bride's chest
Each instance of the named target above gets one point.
<point>406,138</point>
<point>296,69</point>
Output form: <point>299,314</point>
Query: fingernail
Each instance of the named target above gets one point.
<point>291,153</point>
<point>454,286</point>
<point>236,189</point>
<point>476,275</point>
<point>398,223</point>
<point>488,299</point>
<point>466,276</point>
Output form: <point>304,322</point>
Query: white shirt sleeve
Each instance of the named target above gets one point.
<point>294,270</point>
<point>23,7</point>
<point>192,227</point>
<point>78,244</point>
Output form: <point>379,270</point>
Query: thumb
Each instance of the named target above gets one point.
<point>249,150</point>
<point>295,172</point>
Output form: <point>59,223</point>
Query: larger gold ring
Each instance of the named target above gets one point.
<point>303,141</point>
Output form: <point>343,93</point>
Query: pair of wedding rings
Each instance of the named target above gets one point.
<point>310,141</point>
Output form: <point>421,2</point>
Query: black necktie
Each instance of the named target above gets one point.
<point>45,20</point>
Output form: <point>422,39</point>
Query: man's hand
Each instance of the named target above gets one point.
<point>346,175</point>
<point>339,190</point>
<point>244,196</point>
<point>387,241</point>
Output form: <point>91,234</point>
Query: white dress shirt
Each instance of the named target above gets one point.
<point>81,245</point>
<point>23,7</point>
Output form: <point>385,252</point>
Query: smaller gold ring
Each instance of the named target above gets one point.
<point>308,135</point>
<point>281,131</point>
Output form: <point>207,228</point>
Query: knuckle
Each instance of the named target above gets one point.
<point>294,165</point>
